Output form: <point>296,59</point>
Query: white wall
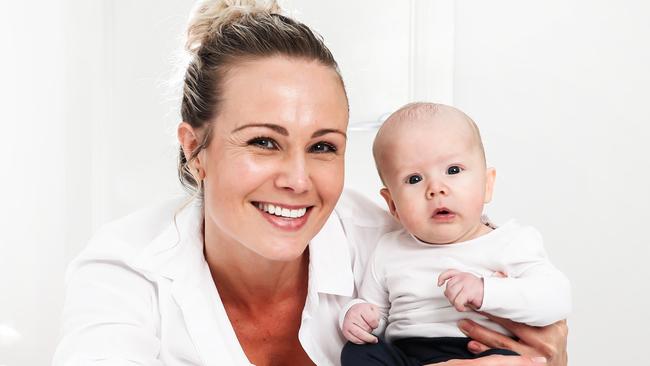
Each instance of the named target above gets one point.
<point>558,88</point>
<point>33,183</point>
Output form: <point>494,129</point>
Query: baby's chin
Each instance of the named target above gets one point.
<point>436,240</point>
<point>441,238</point>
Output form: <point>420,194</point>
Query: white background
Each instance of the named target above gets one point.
<point>560,90</point>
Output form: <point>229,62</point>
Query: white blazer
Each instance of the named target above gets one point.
<point>141,293</point>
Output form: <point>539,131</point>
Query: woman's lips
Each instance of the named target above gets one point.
<point>284,217</point>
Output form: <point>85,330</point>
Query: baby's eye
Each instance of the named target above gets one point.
<point>263,143</point>
<point>454,169</point>
<point>322,147</point>
<point>414,179</point>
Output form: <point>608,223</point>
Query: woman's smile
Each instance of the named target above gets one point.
<point>284,217</point>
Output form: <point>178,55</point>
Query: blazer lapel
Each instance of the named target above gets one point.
<point>177,254</point>
<point>206,320</point>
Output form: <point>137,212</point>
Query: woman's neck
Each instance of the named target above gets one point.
<point>247,279</point>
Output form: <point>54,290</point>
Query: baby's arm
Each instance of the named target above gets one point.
<point>363,319</point>
<point>534,292</point>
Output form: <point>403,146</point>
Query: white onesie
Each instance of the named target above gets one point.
<point>401,279</point>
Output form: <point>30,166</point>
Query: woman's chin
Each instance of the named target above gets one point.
<point>284,252</point>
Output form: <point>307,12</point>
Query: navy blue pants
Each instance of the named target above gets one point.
<point>412,352</point>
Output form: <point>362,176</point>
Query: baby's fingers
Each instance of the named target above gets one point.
<point>363,324</point>
<point>362,335</point>
<point>453,289</point>
<point>352,338</point>
<point>371,320</point>
<point>444,276</point>
<point>460,301</point>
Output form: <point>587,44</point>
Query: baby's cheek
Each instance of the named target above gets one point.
<point>411,217</point>
<point>476,201</point>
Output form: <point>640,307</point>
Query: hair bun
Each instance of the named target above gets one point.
<point>210,16</point>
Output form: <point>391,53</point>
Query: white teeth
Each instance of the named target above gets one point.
<point>280,211</point>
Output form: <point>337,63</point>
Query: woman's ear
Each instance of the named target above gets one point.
<point>389,201</point>
<point>189,141</point>
<point>490,176</point>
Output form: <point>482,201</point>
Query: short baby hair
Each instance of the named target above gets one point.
<point>418,111</point>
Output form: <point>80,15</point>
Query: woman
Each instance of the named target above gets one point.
<point>257,267</point>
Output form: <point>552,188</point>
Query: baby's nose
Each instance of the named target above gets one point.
<point>436,190</point>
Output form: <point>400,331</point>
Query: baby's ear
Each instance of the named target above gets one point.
<point>389,201</point>
<point>490,176</point>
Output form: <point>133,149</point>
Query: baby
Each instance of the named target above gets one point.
<point>448,260</point>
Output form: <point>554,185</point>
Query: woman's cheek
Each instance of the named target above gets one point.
<point>328,177</point>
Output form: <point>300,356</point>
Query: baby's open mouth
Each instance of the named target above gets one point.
<point>442,212</point>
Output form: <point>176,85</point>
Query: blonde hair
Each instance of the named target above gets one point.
<point>222,33</point>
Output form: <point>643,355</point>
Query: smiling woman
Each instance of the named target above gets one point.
<point>280,136</point>
<point>277,141</point>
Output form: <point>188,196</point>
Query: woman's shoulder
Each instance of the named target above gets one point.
<point>358,209</point>
<point>129,235</point>
<point>364,223</point>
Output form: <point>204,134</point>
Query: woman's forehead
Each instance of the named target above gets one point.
<point>294,93</point>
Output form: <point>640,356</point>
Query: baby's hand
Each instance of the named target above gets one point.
<point>359,322</point>
<point>462,289</point>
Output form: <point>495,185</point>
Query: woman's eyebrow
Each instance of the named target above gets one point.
<point>283,131</point>
<point>325,131</point>
<point>279,129</point>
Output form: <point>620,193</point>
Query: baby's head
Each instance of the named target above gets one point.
<point>431,160</point>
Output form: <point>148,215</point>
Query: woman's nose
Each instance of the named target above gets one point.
<point>294,174</point>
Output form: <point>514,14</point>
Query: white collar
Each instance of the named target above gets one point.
<point>179,248</point>
<point>177,254</point>
<point>329,259</point>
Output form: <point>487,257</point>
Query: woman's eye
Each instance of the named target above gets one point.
<point>264,143</point>
<point>454,169</point>
<point>322,147</point>
<point>414,179</point>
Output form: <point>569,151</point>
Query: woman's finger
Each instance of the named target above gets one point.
<point>494,360</point>
<point>549,341</point>
<point>540,338</point>
<point>492,339</point>
<point>514,327</point>
<point>477,347</point>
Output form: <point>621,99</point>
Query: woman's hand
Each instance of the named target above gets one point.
<point>548,342</point>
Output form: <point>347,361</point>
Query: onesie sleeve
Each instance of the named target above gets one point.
<point>535,292</point>
<point>372,290</point>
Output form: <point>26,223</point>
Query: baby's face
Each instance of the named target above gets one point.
<point>436,178</point>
